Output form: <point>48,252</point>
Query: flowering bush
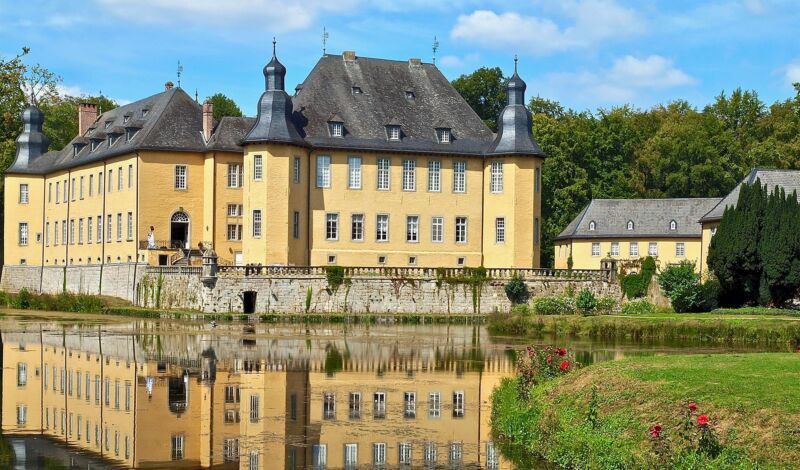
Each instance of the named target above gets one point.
<point>638,307</point>
<point>554,305</point>
<point>536,365</point>
<point>695,432</point>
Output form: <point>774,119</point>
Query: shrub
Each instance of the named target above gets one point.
<point>23,299</point>
<point>607,305</point>
<point>638,307</point>
<point>537,365</point>
<point>682,285</point>
<point>521,309</point>
<point>516,290</point>
<point>308,299</point>
<point>334,276</point>
<point>636,285</point>
<point>554,305</point>
<point>586,301</point>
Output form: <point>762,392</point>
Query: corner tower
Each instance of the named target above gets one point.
<point>276,184</point>
<point>512,186</point>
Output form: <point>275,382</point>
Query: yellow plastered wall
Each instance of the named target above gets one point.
<point>30,213</point>
<point>582,251</point>
<point>709,229</point>
<point>26,395</point>
<point>216,205</point>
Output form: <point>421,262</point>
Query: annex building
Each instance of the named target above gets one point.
<point>370,162</point>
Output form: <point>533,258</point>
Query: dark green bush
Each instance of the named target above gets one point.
<point>638,307</point>
<point>516,290</point>
<point>636,285</point>
<point>23,299</point>
<point>554,305</point>
<point>681,284</point>
<point>607,305</point>
<point>586,301</point>
<point>334,276</point>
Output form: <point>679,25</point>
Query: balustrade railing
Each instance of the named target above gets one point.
<point>175,270</point>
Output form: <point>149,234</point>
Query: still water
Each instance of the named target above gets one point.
<point>165,394</point>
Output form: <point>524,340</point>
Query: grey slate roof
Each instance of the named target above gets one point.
<point>789,180</point>
<point>229,133</point>
<point>515,124</point>
<point>651,218</point>
<point>173,122</point>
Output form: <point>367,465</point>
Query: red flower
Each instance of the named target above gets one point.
<point>655,431</point>
<point>564,365</point>
<point>530,353</point>
<point>797,350</point>
<point>702,420</point>
<point>562,352</point>
<point>549,359</point>
<point>692,406</point>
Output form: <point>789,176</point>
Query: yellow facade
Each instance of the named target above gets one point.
<point>709,230</point>
<point>23,226</point>
<point>586,254</point>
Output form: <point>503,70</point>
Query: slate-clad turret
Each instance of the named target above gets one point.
<point>31,143</point>
<point>514,133</point>
<point>274,122</point>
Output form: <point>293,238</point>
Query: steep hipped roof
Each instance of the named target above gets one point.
<point>515,123</point>
<point>171,121</point>
<point>789,180</point>
<point>651,218</point>
<point>229,133</point>
<point>415,95</point>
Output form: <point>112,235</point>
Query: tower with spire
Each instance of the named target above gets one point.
<point>31,143</point>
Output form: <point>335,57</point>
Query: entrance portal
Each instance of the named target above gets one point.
<point>179,230</point>
<point>249,301</point>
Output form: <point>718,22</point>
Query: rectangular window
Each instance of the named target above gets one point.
<point>500,230</point>
<point>88,389</point>
<point>357,227</point>
<point>116,394</point>
<point>258,167</point>
<point>231,394</point>
<point>230,450</point>
<point>354,405</point>
<point>22,374</point>
<point>234,175</point>
<point>297,169</point>
<point>119,179</point>
<point>96,388</point>
<point>109,228</point>
<point>331,226</point>
<point>319,456</point>
<point>634,249</point>
<point>253,463</point>
<point>430,456</point>
<point>55,233</point>
<point>130,226</point>
<point>64,237</point>
<point>412,229</point>
<point>180,176</point>
<point>379,405</point>
<point>58,192</point>
<point>382,228</point>
<point>100,181</point>
<point>328,405</point>
<point>108,392</point>
<point>234,210</point>
<point>130,176</point>
<point>119,226</point>
<point>354,172</point>
<point>22,415</point>
<point>81,188</point>
<point>127,395</point>
<point>80,231</point>
<point>437,229</point>
<point>254,408</point>
<point>78,383</point>
<point>49,193</point>
<point>384,174</point>
<point>73,189</point>
<point>89,230</point>
<point>177,447</point>
<point>434,405</point>
<point>23,234</point>
<point>409,175</point>
<point>296,224</point>
<point>614,248</point>
<point>323,171</point>
<point>66,191</point>
<point>99,229</point>
<point>459,176</point>
<point>256,223</point>
<point>652,249</point>
<point>680,249</point>
<point>458,404</point>
<point>595,249</point>
<point>404,454</point>
<point>91,185</point>
<point>234,232</point>
<point>434,175</point>
<point>71,231</point>
<point>410,405</point>
<point>23,193</point>
<point>47,234</point>
<point>461,230</point>
<point>496,183</point>
<point>350,456</point>
<point>456,453</point>
<point>379,453</point>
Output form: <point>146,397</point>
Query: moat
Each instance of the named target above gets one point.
<point>101,392</point>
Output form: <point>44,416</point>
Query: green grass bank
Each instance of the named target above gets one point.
<point>752,400</point>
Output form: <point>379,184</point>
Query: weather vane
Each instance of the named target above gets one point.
<point>324,40</point>
<point>435,48</point>
<point>180,71</point>
<point>516,59</point>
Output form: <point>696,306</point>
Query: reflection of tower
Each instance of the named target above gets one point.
<point>208,372</point>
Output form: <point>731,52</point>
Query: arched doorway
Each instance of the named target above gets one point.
<point>179,230</point>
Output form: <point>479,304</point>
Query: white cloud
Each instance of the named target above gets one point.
<point>792,72</point>
<point>650,72</point>
<point>592,21</point>
<point>456,62</point>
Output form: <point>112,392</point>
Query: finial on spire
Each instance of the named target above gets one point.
<point>195,95</point>
<point>273,46</point>
<point>180,72</point>
<point>435,48</point>
<point>324,40</point>
<point>516,59</point>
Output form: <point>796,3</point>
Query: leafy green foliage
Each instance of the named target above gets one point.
<point>61,116</point>
<point>335,277</point>
<point>224,106</point>
<point>585,301</point>
<point>64,302</point>
<point>554,305</point>
<point>516,290</point>
<point>638,307</point>
<point>485,92</point>
<point>636,285</point>
<point>681,284</point>
<point>606,305</point>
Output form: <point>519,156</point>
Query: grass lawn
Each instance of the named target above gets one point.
<point>753,401</point>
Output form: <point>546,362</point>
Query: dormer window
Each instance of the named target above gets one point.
<point>112,139</point>
<point>630,225</point>
<point>592,226</point>
<point>145,111</point>
<point>75,150</point>
<point>357,90</point>
<point>673,225</point>
<point>410,94</point>
<point>130,134</point>
<point>336,129</point>
<point>107,124</point>
<point>125,119</point>
<point>443,134</point>
<point>393,132</point>
<point>93,145</point>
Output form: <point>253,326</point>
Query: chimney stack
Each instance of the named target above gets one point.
<point>168,86</point>
<point>87,115</point>
<point>349,56</point>
<point>208,119</point>
<point>414,62</point>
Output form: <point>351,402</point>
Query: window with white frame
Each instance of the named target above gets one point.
<point>235,175</point>
<point>437,229</point>
<point>234,210</point>
<point>55,233</point>
<point>258,167</point>
<point>230,450</point>
<point>443,135</point>
<point>255,412</point>
<point>595,249</point>
<point>180,177</point>
<point>496,181</point>
<point>177,446</point>
<point>328,405</point>
<point>434,175</point>
<point>357,227</point>
<point>394,132</point>
<point>350,456</point>
<point>22,374</point>
<point>461,230</point>
<point>130,226</point>
<point>434,404</point>
<point>354,405</point>
<point>412,229</point>
<point>614,248</point>
<point>319,456</point>
<point>410,404</point>
<point>456,453</point>
<point>409,175</point>
<point>253,460</point>
<point>592,226</point>
<point>119,226</point>
<point>382,228</point>
<point>323,171</point>
<point>680,249</point>
<point>459,176</point>
<point>431,455</point>
<point>337,129</point>
<point>119,179</point>
<point>80,231</point>
<point>47,233</point>
<point>492,457</point>
<point>50,192</point>
<point>22,415</point>
<point>652,249</point>
<point>23,233</point>
<point>66,189</point>
<point>633,249</point>
<point>99,229</point>
<point>404,454</point>
<point>354,172</point>
<point>73,189</point>
<point>384,175</point>
<point>23,193</point>
<point>331,226</point>
<point>234,232</point>
<point>500,230</point>
<point>458,404</point>
<point>379,405</point>
<point>673,225</point>
<point>379,453</point>
<point>296,169</point>
<point>256,223</point>
<point>630,225</point>
<point>64,234</point>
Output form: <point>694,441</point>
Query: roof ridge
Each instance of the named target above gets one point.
<point>583,216</point>
<point>160,115</point>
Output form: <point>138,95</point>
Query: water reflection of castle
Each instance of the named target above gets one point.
<point>285,402</point>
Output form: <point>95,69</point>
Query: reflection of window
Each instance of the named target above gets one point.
<point>404,454</point>
<point>456,452</point>
<point>177,447</point>
<point>231,416</point>
<point>350,456</point>
<point>379,405</point>
<point>319,456</point>
<point>254,408</point>
<point>231,394</point>
<point>355,405</point>
<point>458,404</point>
<point>434,404</point>
<point>22,374</point>
<point>231,450</point>
<point>329,405</point>
<point>410,404</point>
<point>430,454</point>
<point>379,453</point>
<point>22,415</point>
<point>253,464</point>
<point>492,459</point>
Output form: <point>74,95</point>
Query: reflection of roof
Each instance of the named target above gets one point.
<point>650,217</point>
<point>789,180</point>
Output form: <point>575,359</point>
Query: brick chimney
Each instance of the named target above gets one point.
<point>87,115</point>
<point>168,86</point>
<point>208,119</point>
<point>414,62</point>
<point>349,56</point>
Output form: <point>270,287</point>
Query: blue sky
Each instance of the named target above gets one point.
<point>583,53</point>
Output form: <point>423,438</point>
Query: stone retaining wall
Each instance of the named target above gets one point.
<point>115,280</point>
